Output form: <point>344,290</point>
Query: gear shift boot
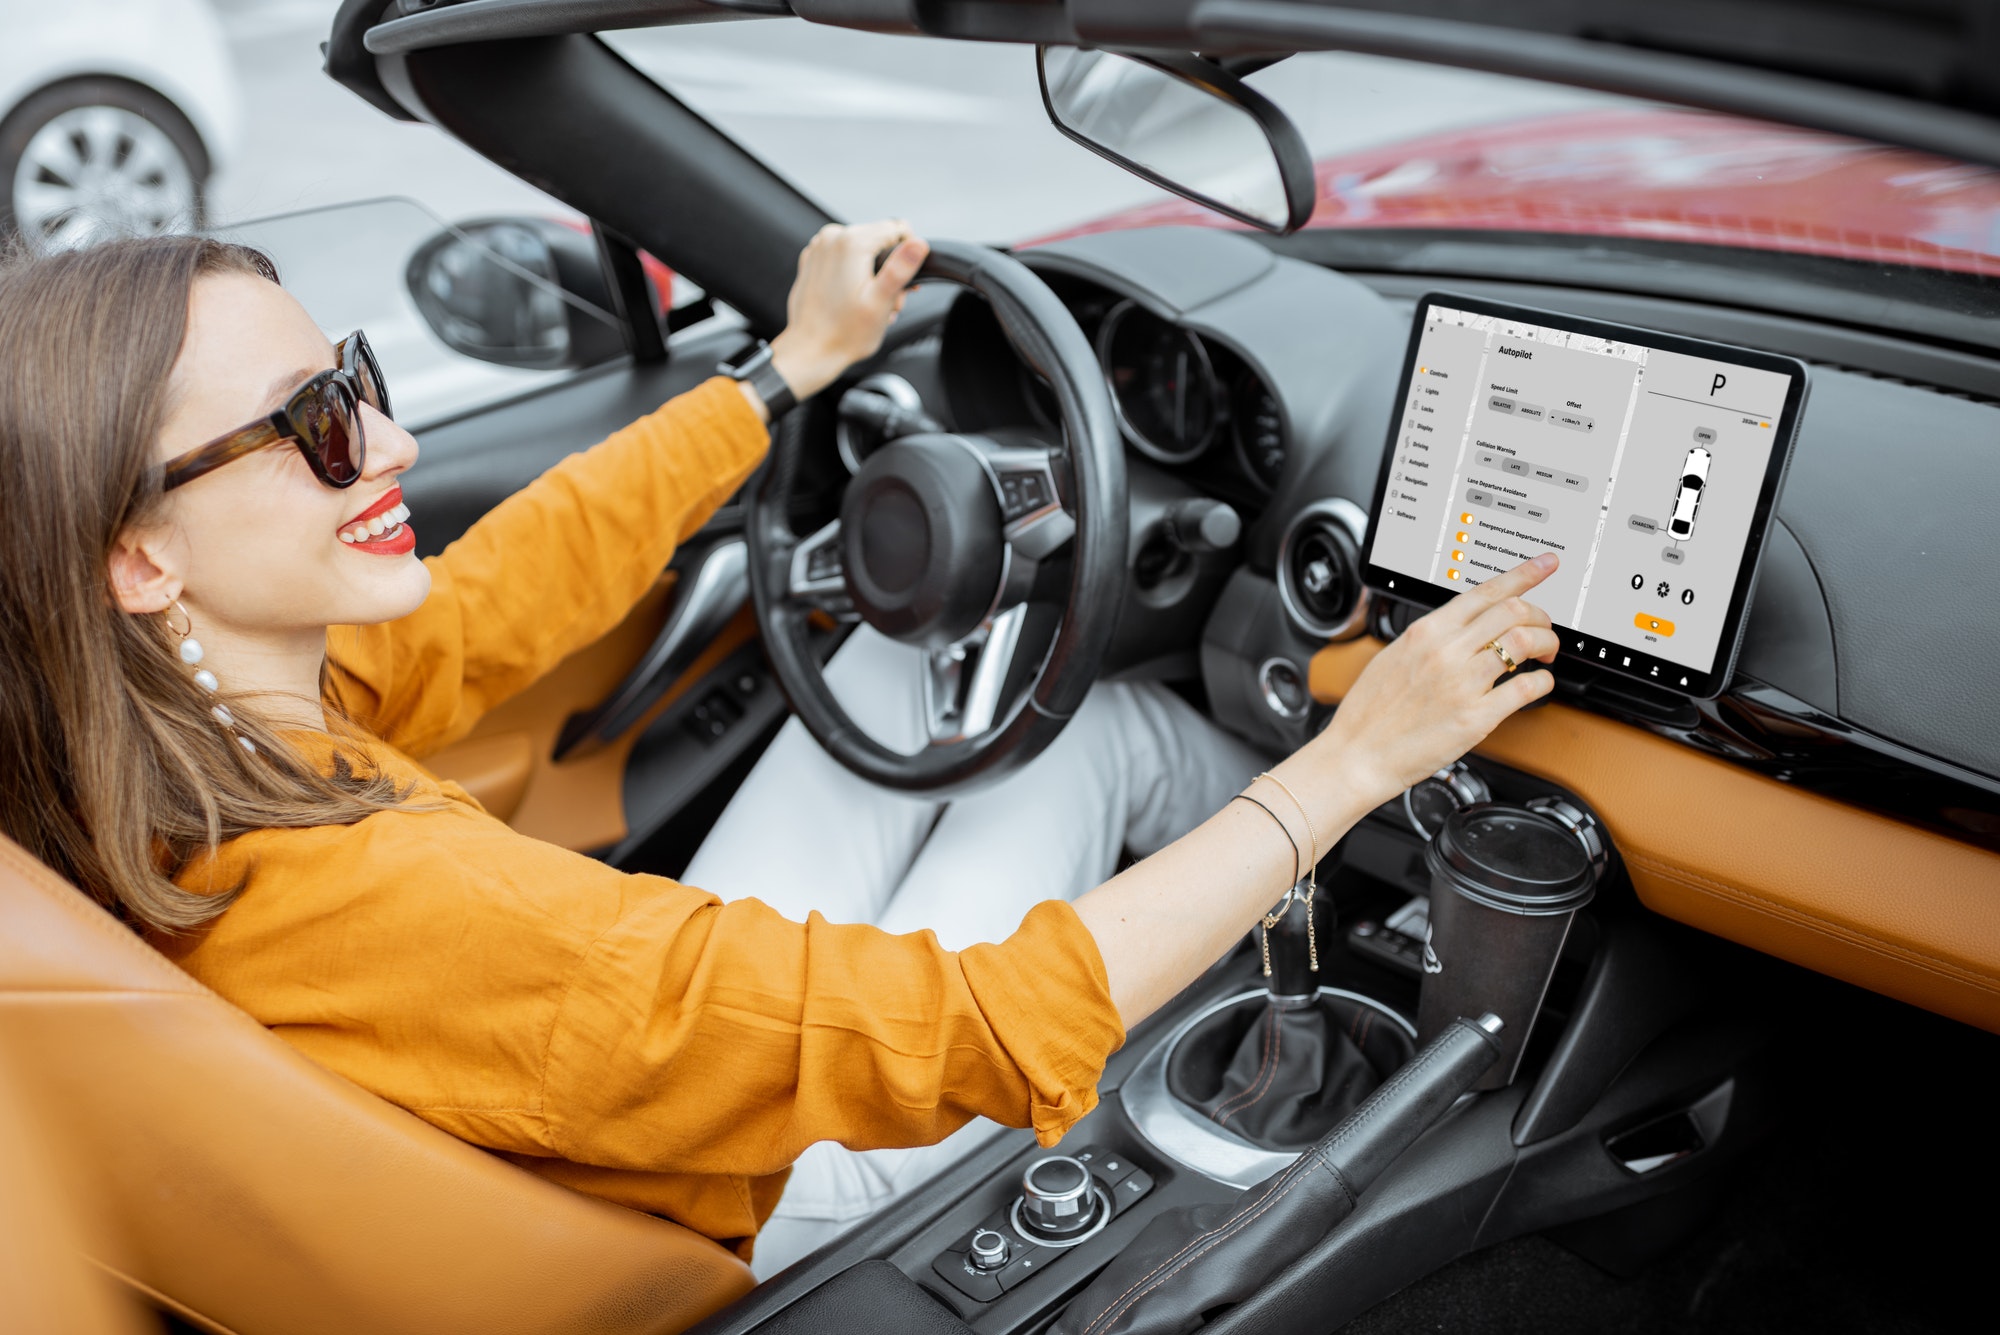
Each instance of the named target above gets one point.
<point>1283,1074</point>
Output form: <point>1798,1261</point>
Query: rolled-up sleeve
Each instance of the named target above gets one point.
<point>727,1039</point>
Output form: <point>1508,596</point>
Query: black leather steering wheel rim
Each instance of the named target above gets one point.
<point>1046,336</point>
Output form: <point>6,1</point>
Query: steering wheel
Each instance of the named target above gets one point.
<point>939,543</point>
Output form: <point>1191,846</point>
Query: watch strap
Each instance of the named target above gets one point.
<point>761,374</point>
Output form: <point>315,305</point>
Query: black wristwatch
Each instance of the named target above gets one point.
<point>756,368</point>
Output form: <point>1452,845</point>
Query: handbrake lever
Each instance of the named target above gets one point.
<point>1194,1259</point>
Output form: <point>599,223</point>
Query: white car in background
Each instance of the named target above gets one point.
<point>114,114</point>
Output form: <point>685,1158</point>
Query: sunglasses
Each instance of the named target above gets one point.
<point>322,417</point>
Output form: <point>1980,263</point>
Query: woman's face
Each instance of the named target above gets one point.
<point>258,542</point>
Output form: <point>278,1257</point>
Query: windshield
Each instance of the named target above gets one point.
<point>953,136</point>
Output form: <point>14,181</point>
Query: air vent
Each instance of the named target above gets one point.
<point>1319,569</point>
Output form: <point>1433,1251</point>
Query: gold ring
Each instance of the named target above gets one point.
<point>1505,657</point>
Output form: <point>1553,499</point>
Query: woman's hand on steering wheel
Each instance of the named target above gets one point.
<point>841,305</point>
<point>1430,697</point>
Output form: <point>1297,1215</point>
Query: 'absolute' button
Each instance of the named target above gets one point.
<point>1653,624</point>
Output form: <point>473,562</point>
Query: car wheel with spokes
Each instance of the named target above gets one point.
<point>91,159</point>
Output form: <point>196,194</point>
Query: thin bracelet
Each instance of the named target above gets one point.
<point>1307,816</point>
<point>1270,920</point>
<point>1245,797</point>
<point>1312,872</point>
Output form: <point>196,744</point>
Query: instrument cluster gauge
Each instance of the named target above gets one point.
<point>1430,803</point>
<point>1163,383</point>
<point>1260,430</point>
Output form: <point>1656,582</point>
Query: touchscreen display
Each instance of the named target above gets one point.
<point>1649,464</point>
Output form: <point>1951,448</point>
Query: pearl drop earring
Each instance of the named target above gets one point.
<point>191,654</point>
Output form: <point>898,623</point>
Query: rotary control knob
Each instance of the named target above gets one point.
<point>1056,1197</point>
<point>988,1250</point>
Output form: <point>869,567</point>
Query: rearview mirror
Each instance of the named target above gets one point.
<point>1185,124</point>
<point>524,292</point>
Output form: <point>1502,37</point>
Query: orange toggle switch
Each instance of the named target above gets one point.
<point>1451,574</point>
<point>1654,624</point>
<point>1460,538</point>
<point>1458,556</point>
<point>1465,518</point>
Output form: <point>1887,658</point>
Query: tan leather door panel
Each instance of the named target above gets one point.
<point>578,803</point>
<point>1896,909</point>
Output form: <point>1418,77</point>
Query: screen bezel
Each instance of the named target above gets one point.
<point>1414,589</point>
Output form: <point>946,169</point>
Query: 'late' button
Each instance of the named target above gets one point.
<point>1653,624</point>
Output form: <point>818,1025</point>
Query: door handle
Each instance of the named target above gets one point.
<point>712,591</point>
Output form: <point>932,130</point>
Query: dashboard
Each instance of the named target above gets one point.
<point>1838,804</point>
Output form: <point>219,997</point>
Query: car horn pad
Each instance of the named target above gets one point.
<point>1283,1074</point>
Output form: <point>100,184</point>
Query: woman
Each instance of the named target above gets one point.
<point>220,667</point>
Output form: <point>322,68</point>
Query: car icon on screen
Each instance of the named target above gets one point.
<point>1694,477</point>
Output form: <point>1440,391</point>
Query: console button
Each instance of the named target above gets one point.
<point>1056,1196</point>
<point>1657,625</point>
<point>1111,1168</point>
<point>1499,404</point>
<point>1133,1188</point>
<point>1031,1261</point>
<point>1479,496</point>
<point>1518,467</point>
<point>956,1271</point>
<point>988,1250</point>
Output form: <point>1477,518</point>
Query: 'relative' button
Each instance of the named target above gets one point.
<point>1656,625</point>
<point>954,1270</point>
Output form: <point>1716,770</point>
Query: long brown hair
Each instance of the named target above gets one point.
<point>112,770</point>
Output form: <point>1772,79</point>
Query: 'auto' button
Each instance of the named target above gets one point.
<point>1656,625</point>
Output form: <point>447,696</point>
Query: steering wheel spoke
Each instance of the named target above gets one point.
<point>818,575</point>
<point>965,684</point>
<point>1008,553</point>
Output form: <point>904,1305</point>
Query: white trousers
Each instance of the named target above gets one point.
<point>1136,768</point>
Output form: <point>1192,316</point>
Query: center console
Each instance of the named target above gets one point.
<point>1611,1035</point>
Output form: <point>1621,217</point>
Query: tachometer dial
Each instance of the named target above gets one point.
<point>1163,383</point>
<point>1260,430</point>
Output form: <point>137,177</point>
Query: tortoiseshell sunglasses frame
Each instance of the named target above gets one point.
<point>359,376</point>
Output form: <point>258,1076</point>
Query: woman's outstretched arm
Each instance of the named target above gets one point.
<point>1422,703</point>
<point>556,565</point>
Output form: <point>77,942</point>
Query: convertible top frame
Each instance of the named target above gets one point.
<point>1925,77</point>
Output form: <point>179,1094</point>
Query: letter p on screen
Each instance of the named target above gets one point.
<point>1720,381</point>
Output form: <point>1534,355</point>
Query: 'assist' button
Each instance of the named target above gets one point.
<point>1653,624</point>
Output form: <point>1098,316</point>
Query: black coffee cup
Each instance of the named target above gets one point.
<point>1506,883</point>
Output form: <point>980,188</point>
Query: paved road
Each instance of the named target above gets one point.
<point>949,134</point>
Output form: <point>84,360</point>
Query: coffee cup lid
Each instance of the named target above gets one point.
<point>1512,859</point>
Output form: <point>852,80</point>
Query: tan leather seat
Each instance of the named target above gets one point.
<point>46,1285</point>
<point>233,1181</point>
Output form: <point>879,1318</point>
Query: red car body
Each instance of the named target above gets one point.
<point>1661,175</point>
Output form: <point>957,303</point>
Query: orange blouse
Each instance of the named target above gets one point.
<point>622,1034</point>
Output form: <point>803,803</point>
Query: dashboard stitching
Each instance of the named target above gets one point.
<point>1777,909</point>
